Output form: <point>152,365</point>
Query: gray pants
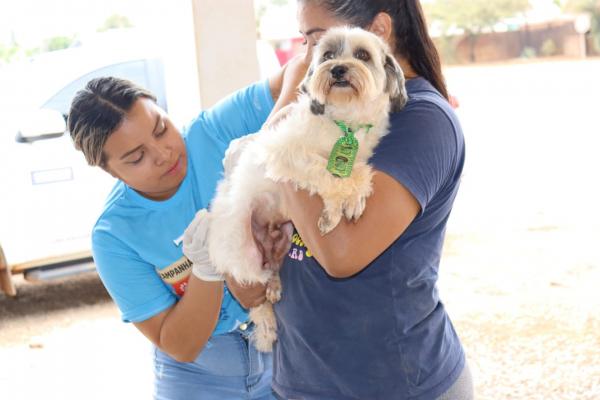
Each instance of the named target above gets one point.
<point>462,389</point>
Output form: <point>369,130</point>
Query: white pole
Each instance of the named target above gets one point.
<point>225,36</point>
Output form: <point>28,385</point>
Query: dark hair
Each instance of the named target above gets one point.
<point>412,38</point>
<point>98,110</point>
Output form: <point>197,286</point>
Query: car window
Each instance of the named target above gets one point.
<point>135,71</point>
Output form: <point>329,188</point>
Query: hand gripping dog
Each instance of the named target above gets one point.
<point>322,146</point>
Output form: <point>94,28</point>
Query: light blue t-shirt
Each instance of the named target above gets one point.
<point>136,241</point>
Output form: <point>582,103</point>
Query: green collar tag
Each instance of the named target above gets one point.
<point>343,154</point>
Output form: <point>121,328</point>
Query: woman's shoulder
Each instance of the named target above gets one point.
<point>112,200</point>
<point>116,210</point>
<point>426,113</point>
<point>423,97</point>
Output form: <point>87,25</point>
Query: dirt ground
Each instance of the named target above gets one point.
<point>519,274</point>
<point>64,340</point>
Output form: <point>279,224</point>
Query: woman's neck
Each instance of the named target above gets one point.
<point>409,72</point>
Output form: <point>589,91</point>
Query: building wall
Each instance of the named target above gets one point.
<point>557,38</point>
<point>225,36</point>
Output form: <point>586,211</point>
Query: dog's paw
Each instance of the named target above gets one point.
<point>327,222</point>
<point>354,208</point>
<point>273,292</point>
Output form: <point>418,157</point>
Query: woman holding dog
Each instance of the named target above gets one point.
<point>360,316</point>
<point>164,178</point>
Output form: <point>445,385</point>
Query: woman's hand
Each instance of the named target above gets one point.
<point>247,295</point>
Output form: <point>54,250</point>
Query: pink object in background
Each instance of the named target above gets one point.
<point>287,49</point>
<point>453,100</point>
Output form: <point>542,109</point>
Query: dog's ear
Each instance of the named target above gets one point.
<point>395,84</point>
<point>316,107</point>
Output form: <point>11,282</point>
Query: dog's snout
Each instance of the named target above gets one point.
<point>339,71</point>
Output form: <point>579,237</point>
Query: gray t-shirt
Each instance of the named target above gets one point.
<point>383,333</point>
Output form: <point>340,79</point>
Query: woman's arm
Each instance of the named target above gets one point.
<point>250,295</point>
<point>350,247</point>
<point>182,330</point>
<point>284,85</point>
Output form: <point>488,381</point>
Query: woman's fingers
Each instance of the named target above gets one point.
<point>248,296</point>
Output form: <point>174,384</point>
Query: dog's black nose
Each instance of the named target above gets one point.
<point>338,71</point>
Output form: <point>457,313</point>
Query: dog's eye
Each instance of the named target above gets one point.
<point>362,55</point>
<point>328,55</point>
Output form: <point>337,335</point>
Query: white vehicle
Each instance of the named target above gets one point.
<point>50,198</point>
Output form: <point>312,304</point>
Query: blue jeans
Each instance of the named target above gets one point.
<point>228,368</point>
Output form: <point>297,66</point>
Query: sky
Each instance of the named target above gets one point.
<point>167,25</point>
<point>30,22</point>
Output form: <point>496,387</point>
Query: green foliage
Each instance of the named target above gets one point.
<point>591,7</point>
<point>528,52</point>
<point>33,51</point>
<point>548,48</point>
<point>595,32</point>
<point>581,6</point>
<point>115,21</point>
<point>446,46</point>
<point>7,53</point>
<point>58,43</point>
<point>473,16</point>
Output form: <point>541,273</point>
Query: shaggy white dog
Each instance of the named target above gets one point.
<point>322,145</point>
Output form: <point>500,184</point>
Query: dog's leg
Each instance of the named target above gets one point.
<point>241,202</point>
<point>265,331</point>
<point>331,214</point>
<point>274,289</point>
<point>344,197</point>
<point>361,181</point>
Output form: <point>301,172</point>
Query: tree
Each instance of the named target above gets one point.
<point>592,7</point>
<point>7,53</point>
<point>472,16</point>
<point>115,21</point>
<point>58,43</point>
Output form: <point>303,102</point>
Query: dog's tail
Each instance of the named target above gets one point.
<point>265,331</point>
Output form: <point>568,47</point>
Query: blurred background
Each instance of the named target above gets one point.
<point>521,263</point>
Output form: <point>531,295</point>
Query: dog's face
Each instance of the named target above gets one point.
<point>351,65</point>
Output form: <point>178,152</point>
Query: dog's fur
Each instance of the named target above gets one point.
<point>297,150</point>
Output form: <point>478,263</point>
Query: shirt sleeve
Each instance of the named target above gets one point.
<point>239,114</point>
<point>133,284</point>
<point>420,150</point>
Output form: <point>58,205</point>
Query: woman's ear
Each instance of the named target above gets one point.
<point>382,26</point>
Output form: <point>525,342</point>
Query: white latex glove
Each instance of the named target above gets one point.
<point>195,247</point>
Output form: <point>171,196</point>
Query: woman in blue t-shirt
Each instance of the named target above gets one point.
<point>360,316</point>
<point>164,177</point>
